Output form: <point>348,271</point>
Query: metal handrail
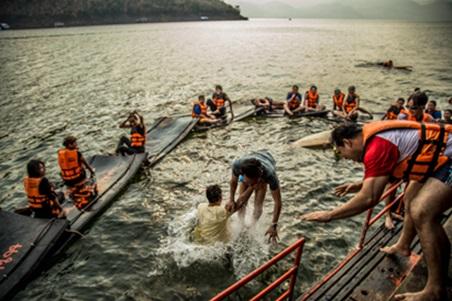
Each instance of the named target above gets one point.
<point>291,273</point>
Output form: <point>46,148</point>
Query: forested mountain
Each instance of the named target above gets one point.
<point>44,13</point>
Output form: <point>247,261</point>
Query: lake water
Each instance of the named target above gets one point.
<point>85,80</point>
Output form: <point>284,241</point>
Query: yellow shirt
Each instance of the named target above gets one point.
<point>212,224</point>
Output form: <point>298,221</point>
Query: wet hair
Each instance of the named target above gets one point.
<point>313,87</point>
<point>252,168</point>
<point>401,99</point>
<point>433,102</point>
<point>352,88</point>
<point>218,87</point>
<point>295,87</point>
<point>201,97</point>
<point>69,140</point>
<point>345,131</point>
<point>448,110</point>
<point>33,168</point>
<point>420,100</point>
<point>417,89</point>
<point>213,193</point>
<point>337,90</point>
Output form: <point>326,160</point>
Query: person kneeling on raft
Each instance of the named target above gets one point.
<point>218,102</point>
<point>137,142</point>
<point>72,165</point>
<point>293,104</point>
<point>420,154</point>
<point>199,110</point>
<point>311,100</point>
<point>43,200</point>
<point>257,170</point>
<point>213,218</point>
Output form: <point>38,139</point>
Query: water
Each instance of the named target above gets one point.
<point>84,81</point>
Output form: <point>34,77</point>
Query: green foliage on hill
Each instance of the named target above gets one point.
<point>31,13</point>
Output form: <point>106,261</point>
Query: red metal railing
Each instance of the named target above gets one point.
<point>291,273</point>
<point>369,221</point>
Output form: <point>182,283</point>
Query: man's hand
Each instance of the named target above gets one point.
<point>230,206</point>
<point>344,189</point>
<point>272,233</point>
<point>317,216</point>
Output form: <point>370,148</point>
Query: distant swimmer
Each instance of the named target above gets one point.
<point>390,65</point>
<point>416,110</point>
<point>137,142</point>
<point>419,153</point>
<point>218,102</point>
<point>431,109</point>
<point>43,200</point>
<point>293,104</point>
<point>72,165</point>
<point>256,170</point>
<point>213,219</point>
<point>394,110</point>
<point>311,100</point>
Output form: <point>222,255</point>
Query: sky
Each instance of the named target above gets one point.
<point>418,10</point>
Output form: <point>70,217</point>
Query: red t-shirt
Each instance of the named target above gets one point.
<point>380,158</point>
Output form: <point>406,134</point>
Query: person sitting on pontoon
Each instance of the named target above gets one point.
<point>311,100</point>
<point>393,112</point>
<point>447,116</point>
<point>350,107</point>
<point>416,110</point>
<point>338,102</point>
<point>199,110</point>
<point>72,165</point>
<point>293,104</point>
<point>218,102</point>
<point>43,200</point>
<point>137,142</point>
<point>431,109</point>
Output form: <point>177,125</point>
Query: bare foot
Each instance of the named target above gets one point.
<point>389,224</point>
<point>397,216</point>
<point>422,296</point>
<point>396,250</point>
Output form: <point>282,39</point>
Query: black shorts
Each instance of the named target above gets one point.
<point>444,173</point>
<point>76,181</point>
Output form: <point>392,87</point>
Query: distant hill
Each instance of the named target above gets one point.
<point>436,10</point>
<point>49,13</point>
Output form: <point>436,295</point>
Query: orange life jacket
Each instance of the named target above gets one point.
<point>82,195</point>
<point>350,103</point>
<point>429,155</point>
<point>312,99</point>
<point>218,99</point>
<point>339,100</point>
<point>137,139</point>
<point>425,117</point>
<point>203,107</point>
<point>69,163</point>
<point>294,103</point>
<point>36,200</point>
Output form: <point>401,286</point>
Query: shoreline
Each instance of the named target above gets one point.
<point>117,21</point>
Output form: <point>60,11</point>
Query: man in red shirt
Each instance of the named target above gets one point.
<point>395,149</point>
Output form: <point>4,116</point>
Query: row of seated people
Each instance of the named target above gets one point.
<point>43,199</point>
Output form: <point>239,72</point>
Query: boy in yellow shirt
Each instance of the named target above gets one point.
<point>212,225</point>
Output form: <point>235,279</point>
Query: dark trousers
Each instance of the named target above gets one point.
<point>213,108</point>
